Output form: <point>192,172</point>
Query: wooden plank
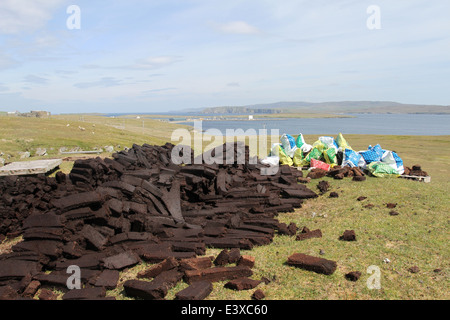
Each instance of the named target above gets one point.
<point>83,152</point>
<point>29,167</point>
<point>426,179</point>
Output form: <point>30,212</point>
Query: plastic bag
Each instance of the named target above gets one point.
<point>272,160</point>
<point>274,150</point>
<point>392,159</point>
<point>328,142</point>
<point>300,141</point>
<point>399,161</point>
<point>314,154</point>
<point>351,158</point>
<point>306,148</point>
<point>382,170</point>
<point>342,143</point>
<point>362,163</point>
<point>298,158</point>
<point>373,154</point>
<point>288,143</point>
<point>319,164</point>
<point>388,158</point>
<point>277,150</point>
<point>319,145</point>
<point>340,157</point>
<point>330,156</point>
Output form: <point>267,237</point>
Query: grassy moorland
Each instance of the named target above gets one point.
<point>18,134</point>
<point>418,236</point>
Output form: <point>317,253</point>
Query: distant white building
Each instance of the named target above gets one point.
<point>250,117</point>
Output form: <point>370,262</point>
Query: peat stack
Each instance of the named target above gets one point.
<point>110,214</point>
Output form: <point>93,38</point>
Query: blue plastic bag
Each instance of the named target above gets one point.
<point>372,154</point>
<point>351,158</point>
<point>398,159</point>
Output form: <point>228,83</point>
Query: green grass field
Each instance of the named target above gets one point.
<point>418,236</point>
<point>27,134</point>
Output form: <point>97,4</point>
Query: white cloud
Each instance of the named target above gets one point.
<point>152,91</point>
<point>154,62</point>
<point>238,27</point>
<point>24,15</point>
<point>35,79</point>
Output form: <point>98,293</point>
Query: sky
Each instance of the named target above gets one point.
<point>137,56</point>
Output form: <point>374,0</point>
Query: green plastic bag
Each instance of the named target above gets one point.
<point>342,143</point>
<point>298,158</point>
<point>330,156</point>
<point>300,141</point>
<point>319,145</point>
<point>314,154</point>
<point>382,170</point>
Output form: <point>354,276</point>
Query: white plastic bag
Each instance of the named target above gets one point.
<point>272,160</point>
<point>388,158</point>
<point>288,144</point>
<point>306,148</point>
<point>329,142</point>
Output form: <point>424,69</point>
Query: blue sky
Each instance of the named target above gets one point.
<point>158,56</point>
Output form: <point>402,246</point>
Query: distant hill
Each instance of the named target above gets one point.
<point>330,107</point>
<point>235,110</point>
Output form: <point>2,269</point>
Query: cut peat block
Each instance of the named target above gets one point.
<point>17,269</point>
<point>196,263</point>
<point>246,260</point>
<point>153,290</point>
<point>197,291</point>
<point>227,256</point>
<point>85,294</point>
<point>77,200</point>
<point>310,263</point>
<point>353,276</point>
<point>121,260</point>
<point>309,234</point>
<point>348,235</point>
<point>157,269</point>
<point>218,274</point>
<point>108,279</point>
<point>242,284</point>
<point>258,295</point>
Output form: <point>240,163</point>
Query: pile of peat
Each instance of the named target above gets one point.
<point>111,214</point>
